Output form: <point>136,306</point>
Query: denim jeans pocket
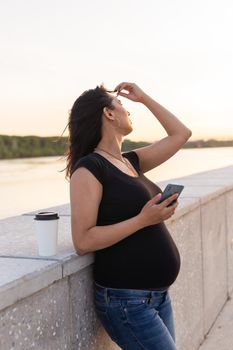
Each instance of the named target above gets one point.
<point>136,300</point>
<point>138,311</point>
<point>135,303</point>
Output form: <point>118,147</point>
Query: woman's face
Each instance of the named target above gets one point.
<point>123,122</point>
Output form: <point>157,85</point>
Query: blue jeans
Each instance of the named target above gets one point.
<point>136,319</point>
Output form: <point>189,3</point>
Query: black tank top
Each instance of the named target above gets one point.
<point>146,259</point>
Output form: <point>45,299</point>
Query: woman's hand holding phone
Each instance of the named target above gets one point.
<point>170,190</point>
<point>153,212</point>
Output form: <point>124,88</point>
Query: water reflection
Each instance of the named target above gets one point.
<point>35,183</point>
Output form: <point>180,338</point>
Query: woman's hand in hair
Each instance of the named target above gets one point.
<point>133,92</point>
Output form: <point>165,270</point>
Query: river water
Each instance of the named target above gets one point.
<point>34,183</point>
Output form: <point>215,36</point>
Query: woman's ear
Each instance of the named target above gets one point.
<point>108,113</point>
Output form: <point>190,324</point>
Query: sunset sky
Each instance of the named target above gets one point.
<point>178,51</point>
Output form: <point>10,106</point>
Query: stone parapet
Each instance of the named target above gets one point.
<point>46,302</point>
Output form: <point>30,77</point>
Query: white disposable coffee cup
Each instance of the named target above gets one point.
<point>47,232</point>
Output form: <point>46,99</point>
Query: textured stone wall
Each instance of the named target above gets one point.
<point>60,316</point>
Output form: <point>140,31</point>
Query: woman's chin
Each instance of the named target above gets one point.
<point>129,130</point>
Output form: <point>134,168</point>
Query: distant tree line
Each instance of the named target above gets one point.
<point>30,146</point>
<point>36,146</point>
<point>208,143</point>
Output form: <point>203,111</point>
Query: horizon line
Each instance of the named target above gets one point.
<point>149,141</point>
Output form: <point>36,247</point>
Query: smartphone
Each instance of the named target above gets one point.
<point>169,191</point>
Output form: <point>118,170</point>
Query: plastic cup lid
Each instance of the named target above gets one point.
<point>46,215</point>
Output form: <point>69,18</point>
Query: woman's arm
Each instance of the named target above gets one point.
<point>85,198</point>
<point>178,134</point>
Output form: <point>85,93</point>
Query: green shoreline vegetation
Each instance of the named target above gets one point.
<point>36,146</point>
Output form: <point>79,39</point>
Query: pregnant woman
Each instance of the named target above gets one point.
<point>115,213</point>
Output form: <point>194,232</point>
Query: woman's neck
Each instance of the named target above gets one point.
<point>113,148</point>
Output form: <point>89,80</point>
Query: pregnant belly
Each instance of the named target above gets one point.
<point>150,259</point>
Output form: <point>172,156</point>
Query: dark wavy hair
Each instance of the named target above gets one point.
<point>84,125</point>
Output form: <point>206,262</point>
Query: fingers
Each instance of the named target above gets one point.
<point>122,86</point>
<point>122,94</point>
<point>119,86</point>
<point>175,205</point>
<point>167,201</point>
<point>170,211</point>
<point>155,199</point>
<point>154,212</point>
<point>173,208</point>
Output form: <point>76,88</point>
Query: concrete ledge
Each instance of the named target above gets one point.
<point>23,244</point>
<point>229,239</point>
<point>23,277</point>
<point>76,263</point>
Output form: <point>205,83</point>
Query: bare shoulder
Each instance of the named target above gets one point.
<point>82,174</point>
<point>85,196</point>
<point>84,183</point>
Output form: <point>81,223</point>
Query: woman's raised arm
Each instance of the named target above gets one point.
<point>178,134</point>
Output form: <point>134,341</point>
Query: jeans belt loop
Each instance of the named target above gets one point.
<point>106,296</point>
<point>150,297</point>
